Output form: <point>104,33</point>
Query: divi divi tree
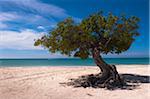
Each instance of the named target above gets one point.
<point>95,35</point>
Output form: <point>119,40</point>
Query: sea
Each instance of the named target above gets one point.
<point>69,62</point>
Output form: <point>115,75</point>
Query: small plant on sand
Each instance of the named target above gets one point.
<point>95,35</point>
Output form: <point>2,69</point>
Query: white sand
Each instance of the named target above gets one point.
<point>43,83</point>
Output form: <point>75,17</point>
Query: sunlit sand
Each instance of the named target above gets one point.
<point>45,83</point>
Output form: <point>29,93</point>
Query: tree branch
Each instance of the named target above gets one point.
<point>108,42</point>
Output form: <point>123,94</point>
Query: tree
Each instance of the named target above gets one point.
<point>95,35</point>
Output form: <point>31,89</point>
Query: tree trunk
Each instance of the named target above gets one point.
<point>109,73</point>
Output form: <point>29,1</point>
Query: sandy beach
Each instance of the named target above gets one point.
<point>45,83</point>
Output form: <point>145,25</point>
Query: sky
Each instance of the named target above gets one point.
<point>23,21</point>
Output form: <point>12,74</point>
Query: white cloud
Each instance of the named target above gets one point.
<point>19,40</point>
<point>36,6</point>
<point>2,25</point>
<point>38,14</point>
<point>41,27</point>
<point>26,14</point>
<point>25,20</point>
<point>30,13</point>
<point>5,16</point>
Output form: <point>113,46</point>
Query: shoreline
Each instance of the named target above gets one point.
<point>117,65</point>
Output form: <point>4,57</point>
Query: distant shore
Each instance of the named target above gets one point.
<point>44,83</point>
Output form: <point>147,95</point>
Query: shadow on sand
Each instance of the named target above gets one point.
<point>134,78</point>
<point>132,81</point>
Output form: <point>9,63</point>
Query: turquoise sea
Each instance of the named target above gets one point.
<point>68,62</point>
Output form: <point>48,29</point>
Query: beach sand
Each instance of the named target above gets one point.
<point>44,83</point>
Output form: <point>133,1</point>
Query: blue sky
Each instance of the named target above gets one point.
<point>22,21</point>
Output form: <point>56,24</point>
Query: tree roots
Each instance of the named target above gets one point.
<point>97,81</point>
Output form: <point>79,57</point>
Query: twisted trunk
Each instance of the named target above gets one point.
<point>109,77</point>
<point>108,72</point>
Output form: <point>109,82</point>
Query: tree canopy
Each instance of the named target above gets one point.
<point>108,33</point>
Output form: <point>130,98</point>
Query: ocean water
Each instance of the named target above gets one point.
<point>68,62</point>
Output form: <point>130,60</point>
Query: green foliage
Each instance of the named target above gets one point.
<point>106,33</point>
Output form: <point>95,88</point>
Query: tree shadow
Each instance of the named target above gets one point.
<point>135,78</point>
<point>131,81</point>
